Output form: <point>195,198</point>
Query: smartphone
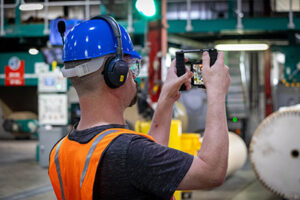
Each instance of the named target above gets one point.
<point>195,64</point>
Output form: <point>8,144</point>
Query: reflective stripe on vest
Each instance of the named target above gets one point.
<point>90,151</point>
<point>58,170</point>
<point>87,161</point>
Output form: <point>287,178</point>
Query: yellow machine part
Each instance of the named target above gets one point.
<point>175,132</point>
<point>190,143</point>
<point>187,142</point>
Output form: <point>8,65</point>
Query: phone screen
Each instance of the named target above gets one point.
<point>197,71</point>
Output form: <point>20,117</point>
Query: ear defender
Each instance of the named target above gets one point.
<point>115,72</point>
<point>115,69</point>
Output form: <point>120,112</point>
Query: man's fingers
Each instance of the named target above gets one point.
<point>188,75</point>
<point>205,59</point>
<point>173,65</point>
<point>220,58</point>
<point>187,69</point>
<point>188,85</point>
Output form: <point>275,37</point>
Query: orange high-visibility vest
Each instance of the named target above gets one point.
<point>73,166</point>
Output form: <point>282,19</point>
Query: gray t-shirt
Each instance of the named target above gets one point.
<point>134,167</point>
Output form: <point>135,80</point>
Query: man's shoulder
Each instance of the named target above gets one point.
<point>126,139</point>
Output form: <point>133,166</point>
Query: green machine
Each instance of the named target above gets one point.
<point>21,128</point>
<point>291,69</point>
<point>287,92</point>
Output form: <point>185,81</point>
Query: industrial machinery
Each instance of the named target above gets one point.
<point>274,153</point>
<point>53,112</point>
<point>21,124</point>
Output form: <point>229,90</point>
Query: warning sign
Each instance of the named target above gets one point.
<point>14,72</point>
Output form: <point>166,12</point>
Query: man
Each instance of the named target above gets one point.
<point>100,158</point>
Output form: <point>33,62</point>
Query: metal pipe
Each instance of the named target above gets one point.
<point>189,26</point>
<point>239,15</point>
<point>2,32</point>
<point>18,17</point>
<point>87,9</point>
<point>46,29</point>
<point>73,3</point>
<point>62,3</point>
<point>291,24</point>
<point>130,20</point>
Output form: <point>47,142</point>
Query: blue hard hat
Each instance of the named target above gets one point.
<point>95,38</point>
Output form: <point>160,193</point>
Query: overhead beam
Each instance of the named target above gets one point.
<point>184,41</point>
<point>37,30</point>
<point>220,25</point>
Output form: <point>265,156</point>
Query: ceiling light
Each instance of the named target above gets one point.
<point>33,51</point>
<point>242,47</point>
<point>31,6</point>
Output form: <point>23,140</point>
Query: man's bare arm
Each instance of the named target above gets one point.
<point>160,127</point>
<point>161,122</point>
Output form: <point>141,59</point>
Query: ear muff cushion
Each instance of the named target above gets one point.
<point>115,72</point>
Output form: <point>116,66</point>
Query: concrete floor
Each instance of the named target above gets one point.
<point>21,177</point>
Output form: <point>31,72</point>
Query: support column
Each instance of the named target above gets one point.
<point>268,89</point>
<point>2,32</point>
<point>154,70</point>
<point>46,23</point>
<point>157,38</point>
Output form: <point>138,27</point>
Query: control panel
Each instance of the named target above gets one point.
<point>53,109</point>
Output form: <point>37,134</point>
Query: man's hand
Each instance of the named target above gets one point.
<point>172,84</point>
<point>216,78</point>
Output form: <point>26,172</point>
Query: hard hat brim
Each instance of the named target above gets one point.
<point>133,54</point>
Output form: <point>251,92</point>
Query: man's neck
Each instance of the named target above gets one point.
<point>106,110</point>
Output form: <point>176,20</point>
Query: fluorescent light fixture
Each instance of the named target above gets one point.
<point>33,51</point>
<point>31,6</point>
<point>242,47</point>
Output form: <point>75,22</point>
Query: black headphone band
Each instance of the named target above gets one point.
<point>116,68</point>
<point>117,32</point>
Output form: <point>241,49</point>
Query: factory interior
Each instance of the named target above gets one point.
<point>261,43</point>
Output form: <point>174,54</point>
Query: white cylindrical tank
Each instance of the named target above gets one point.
<point>237,154</point>
<point>274,153</point>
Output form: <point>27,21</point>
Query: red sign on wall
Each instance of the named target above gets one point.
<point>14,72</point>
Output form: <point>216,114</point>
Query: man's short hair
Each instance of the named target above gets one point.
<point>88,83</point>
